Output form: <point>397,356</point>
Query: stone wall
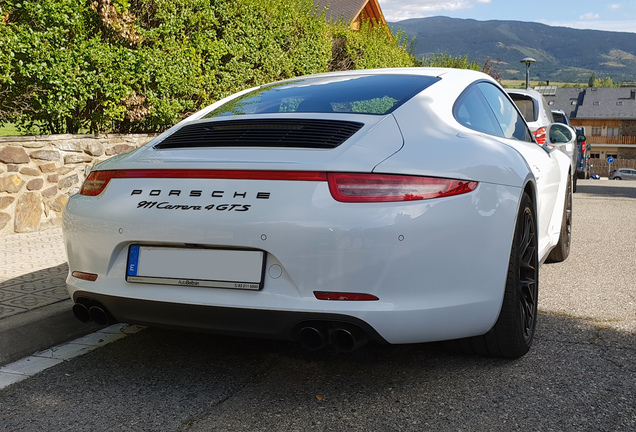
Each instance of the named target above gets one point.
<point>39,173</point>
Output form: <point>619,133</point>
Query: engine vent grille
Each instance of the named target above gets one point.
<point>298,133</point>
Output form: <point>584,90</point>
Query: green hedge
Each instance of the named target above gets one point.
<point>70,66</point>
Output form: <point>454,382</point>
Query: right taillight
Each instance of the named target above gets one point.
<point>539,135</point>
<point>353,187</point>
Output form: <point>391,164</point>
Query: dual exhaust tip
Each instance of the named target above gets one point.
<point>343,337</point>
<point>93,311</point>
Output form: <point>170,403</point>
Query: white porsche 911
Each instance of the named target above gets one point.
<point>394,205</point>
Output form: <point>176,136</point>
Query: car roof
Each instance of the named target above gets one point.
<point>424,71</point>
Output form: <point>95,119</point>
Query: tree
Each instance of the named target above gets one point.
<point>597,82</point>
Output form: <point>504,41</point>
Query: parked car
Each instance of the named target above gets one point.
<point>583,148</point>
<point>583,160</point>
<point>580,152</point>
<point>623,174</point>
<point>395,205</point>
<point>560,116</point>
<point>534,109</point>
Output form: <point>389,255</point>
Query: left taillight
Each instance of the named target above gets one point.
<point>540,134</point>
<point>352,187</point>
<point>96,182</point>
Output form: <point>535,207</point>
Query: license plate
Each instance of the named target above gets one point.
<point>209,268</point>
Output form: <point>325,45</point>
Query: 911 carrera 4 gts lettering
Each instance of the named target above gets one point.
<point>165,205</point>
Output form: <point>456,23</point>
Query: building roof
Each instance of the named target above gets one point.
<point>351,11</point>
<point>592,103</point>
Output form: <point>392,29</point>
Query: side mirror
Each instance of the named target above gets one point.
<point>558,134</point>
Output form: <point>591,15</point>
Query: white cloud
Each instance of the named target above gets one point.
<point>397,10</point>
<point>616,26</point>
<point>614,6</point>
<point>590,16</point>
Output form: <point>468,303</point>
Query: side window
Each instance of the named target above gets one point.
<point>472,111</point>
<point>509,119</point>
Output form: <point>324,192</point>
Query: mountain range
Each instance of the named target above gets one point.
<point>562,54</point>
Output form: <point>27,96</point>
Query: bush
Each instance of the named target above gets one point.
<point>70,66</point>
<point>447,61</point>
<point>370,48</point>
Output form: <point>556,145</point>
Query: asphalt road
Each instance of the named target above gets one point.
<point>580,375</point>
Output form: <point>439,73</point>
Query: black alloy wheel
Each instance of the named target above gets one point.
<point>512,334</point>
<point>528,276</point>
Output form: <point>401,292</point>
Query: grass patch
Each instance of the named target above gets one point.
<point>9,129</point>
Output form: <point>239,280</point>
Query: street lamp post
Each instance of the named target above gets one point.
<point>528,61</point>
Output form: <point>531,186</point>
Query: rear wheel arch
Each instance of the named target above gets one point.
<point>532,193</point>
<point>513,332</point>
<point>562,249</point>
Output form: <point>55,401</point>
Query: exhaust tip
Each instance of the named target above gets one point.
<point>99,315</point>
<point>313,338</point>
<point>81,312</point>
<point>348,339</point>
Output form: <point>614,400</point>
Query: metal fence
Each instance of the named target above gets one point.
<point>602,168</point>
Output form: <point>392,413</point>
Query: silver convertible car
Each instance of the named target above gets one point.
<point>395,205</point>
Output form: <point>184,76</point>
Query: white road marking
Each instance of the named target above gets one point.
<point>40,361</point>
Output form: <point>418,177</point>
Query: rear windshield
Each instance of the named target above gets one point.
<point>526,106</point>
<point>366,94</point>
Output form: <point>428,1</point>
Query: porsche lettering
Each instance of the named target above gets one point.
<point>197,193</point>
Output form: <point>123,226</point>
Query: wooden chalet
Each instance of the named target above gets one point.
<point>608,116</point>
<point>352,12</point>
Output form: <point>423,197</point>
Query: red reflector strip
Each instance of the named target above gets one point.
<point>338,296</point>
<point>98,180</point>
<point>85,276</point>
<point>352,187</point>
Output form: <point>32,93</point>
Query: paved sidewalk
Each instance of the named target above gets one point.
<point>35,309</point>
<point>33,271</point>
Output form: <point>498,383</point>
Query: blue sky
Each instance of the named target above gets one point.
<point>581,14</point>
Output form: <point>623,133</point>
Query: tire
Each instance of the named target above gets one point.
<point>512,334</point>
<point>617,178</point>
<point>574,185</point>
<point>562,249</point>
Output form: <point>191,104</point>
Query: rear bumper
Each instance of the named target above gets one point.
<point>268,324</point>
